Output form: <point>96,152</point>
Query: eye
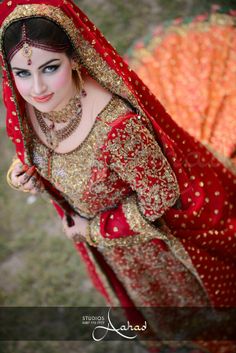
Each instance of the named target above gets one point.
<point>22,74</point>
<point>51,68</point>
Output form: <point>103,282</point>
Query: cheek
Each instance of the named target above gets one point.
<point>62,79</point>
<point>23,87</point>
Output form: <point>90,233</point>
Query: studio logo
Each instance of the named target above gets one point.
<point>102,327</point>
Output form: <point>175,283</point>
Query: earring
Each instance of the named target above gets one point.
<point>76,68</point>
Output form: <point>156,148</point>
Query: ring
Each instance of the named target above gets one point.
<point>77,238</point>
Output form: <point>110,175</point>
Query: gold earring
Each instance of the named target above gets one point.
<point>76,68</point>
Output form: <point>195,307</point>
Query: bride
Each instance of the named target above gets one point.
<point>150,210</point>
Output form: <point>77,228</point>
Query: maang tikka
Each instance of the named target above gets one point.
<point>26,49</point>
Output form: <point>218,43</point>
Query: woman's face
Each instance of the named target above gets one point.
<point>47,83</point>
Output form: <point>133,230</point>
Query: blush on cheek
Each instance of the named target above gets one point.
<point>61,80</point>
<point>23,87</point>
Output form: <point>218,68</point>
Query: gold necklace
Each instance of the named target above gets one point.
<point>53,136</point>
<point>71,108</point>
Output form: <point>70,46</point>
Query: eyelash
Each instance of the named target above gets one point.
<point>24,74</point>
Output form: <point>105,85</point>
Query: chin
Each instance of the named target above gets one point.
<point>43,107</point>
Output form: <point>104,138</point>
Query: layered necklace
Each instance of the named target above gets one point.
<point>70,114</point>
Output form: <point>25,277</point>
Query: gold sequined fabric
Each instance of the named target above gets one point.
<point>86,181</point>
<point>82,175</point>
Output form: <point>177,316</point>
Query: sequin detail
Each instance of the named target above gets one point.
<point>134,149</point>
<point>83,175</point>
<point>170,283</point>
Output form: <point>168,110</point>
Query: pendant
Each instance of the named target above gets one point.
<point>52,139</point>
<point>49,162</point>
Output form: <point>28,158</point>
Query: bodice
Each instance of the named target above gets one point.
<point>83,175</point>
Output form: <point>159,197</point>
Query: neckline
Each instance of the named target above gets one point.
<point>36,137</point>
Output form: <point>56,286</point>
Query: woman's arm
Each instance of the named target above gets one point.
<point>133,153</point>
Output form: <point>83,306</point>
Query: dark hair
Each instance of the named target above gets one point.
<point>43,31</point>
<point>38,29</point>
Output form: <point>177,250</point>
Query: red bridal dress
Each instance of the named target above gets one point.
<point>161,207</point>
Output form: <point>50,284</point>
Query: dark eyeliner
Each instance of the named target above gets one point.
<point>26,73</point>
<point>54,67</point>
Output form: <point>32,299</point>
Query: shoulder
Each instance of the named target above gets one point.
<point>126,125</point>
<point>116,111</point>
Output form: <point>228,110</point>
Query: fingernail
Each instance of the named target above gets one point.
<point>24,168</point>
<point>31,169</point>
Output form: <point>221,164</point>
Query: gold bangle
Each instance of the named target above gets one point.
<point>88,237</point>
<point>9,181</point>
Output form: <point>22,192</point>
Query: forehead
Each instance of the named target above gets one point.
<point>38,58</point>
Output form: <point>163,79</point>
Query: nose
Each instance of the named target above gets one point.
<point>39,85</point>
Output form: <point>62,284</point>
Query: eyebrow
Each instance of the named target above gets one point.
<point>40,67</point>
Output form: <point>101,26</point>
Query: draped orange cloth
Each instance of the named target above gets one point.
<point>190,67</point>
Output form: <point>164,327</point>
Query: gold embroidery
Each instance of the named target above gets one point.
<point>137,158</point>
<point>144,231</point>
<point>107,77</point>
<point>82,175</point>
<point>113,300</point>
<point>132,266</point>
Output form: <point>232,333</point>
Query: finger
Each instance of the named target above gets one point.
<point>25,177</point>
<point>32,182</point>
<point>68,230</point>
<point>30,171</point>
<point>18,168</point>
<point>41,185</point>
<point>15,179</point>
<point>38,185</point>
<point>29,185</point>
<point>70,221</point>
<point>22,169</point>
<point>77,238</point>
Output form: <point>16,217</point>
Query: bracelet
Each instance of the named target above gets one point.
<point>88,238</point>
<point>9,181</point>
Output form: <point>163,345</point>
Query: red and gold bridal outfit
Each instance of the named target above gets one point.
<point>161,207</point>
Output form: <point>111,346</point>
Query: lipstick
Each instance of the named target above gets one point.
<point>43,99</point>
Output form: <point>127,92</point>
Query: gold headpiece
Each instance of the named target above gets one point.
<point>26,49</point>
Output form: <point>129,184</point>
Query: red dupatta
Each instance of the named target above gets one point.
<point>202,178</point>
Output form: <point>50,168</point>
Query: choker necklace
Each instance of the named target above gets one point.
<point>71,108</point>
<point>72,113</point>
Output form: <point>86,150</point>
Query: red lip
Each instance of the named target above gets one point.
<point>43,99</point>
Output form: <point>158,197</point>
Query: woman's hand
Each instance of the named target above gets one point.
<point>75,227</point>
<point>25,178</point>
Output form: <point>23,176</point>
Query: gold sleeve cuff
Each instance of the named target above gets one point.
<point>143,229</point>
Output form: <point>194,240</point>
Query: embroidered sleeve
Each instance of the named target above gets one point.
<point>133,153</point>
<point>137,158</point>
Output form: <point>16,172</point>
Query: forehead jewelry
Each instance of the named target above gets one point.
<point>26,49</point>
